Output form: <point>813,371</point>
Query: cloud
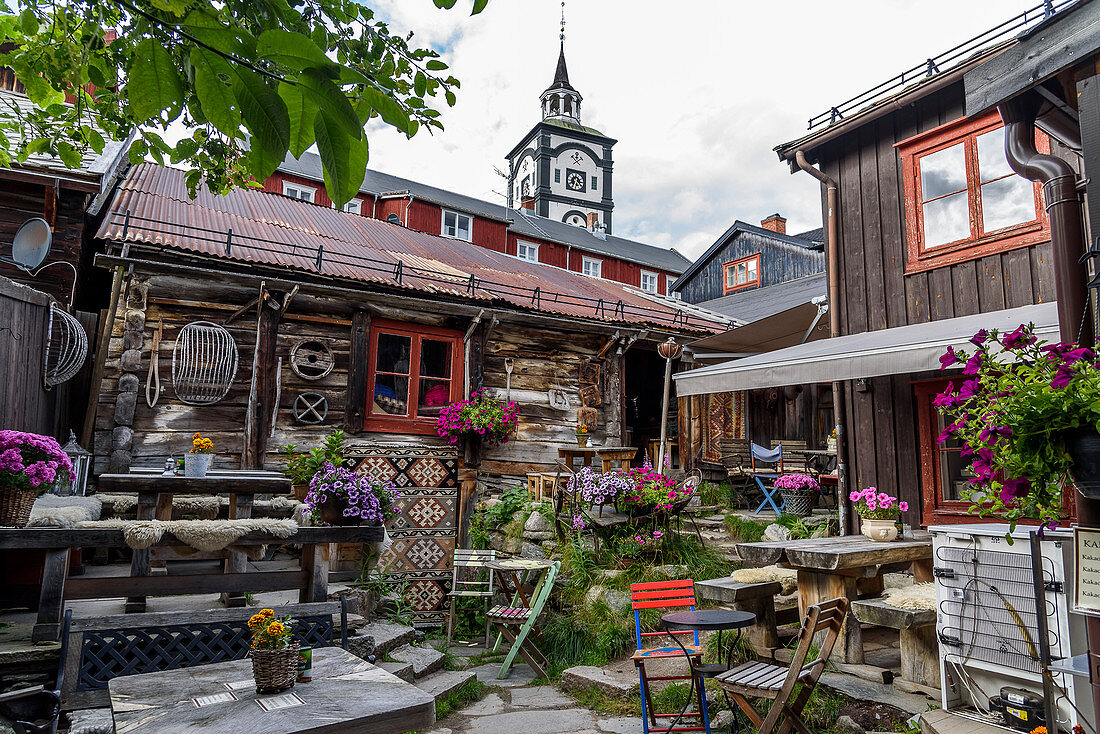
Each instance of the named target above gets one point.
<point>697,93</point>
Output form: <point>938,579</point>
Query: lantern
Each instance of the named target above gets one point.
<point>82,463</point>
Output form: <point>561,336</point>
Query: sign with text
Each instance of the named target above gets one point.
<point>1086,579</point>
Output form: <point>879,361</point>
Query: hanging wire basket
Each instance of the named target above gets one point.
<point>204,363</point>
<point>66,348</point>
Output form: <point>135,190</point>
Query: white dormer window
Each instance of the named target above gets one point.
<point>528,251</point>
<point>456,225</point>
<point>355,206</point>
<point>298,191</point>
<point>591,267</point>
<point>649,281</point>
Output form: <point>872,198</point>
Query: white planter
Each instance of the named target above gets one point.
<point>196,465</point>
<point>880,530</point>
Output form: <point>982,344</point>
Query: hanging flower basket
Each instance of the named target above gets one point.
<point>481,418</point>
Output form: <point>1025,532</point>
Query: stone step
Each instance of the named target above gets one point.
<point>583,677</point>
<point>709,522</point>
<point>425,660</point>
<point>404,671</point>
<point>388,636</point>
<point>444,682</point>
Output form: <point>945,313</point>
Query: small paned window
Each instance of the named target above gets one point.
<point>591,267</point>
<point>962,199</point>
<point>355,206</point>
<point>298,191</point>
<point>557,175</point>
<point>742,273</point>
<point>456,225</point>
<point>528,251</point>
<point>649,281</point>
<point>593,183</point>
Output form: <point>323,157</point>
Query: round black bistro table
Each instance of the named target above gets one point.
<point>706,620</point>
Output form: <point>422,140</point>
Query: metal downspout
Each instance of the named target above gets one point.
<point>833,276</point>
<point>1063,204</point>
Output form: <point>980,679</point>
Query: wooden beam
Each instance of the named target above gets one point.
<point>263,393</point>
<point>355,402</point>
<point>115,586</point>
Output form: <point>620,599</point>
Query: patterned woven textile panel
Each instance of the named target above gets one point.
<point>723,417</point>
<point>425,531</point>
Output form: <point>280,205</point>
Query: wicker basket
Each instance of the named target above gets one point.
<point>15,506</point>
<point>798,502</point>
<point>275,670</point>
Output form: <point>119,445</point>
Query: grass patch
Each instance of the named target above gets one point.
<point>595,699</point>
<point>744,531</point>
<point>474,690</point>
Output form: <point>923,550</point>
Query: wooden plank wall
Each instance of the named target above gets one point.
<point>24,404</point>
<point>877,294</point>
<point>779,263</point>
<point>544,359</point>
<point>20,201</point>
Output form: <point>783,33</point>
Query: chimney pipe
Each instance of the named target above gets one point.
<point>775,223</point>
<point>592,220</point>
<point>1063,204</point>
<point>527,202</point>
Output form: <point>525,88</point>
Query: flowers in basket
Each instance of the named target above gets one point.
<point>339,496</point>
<point>270,632</point>
<point>1015,414</point>
<point>797,482</point>
<point>480,417</point>
<point>29,461</point>
<point>633,546</point>
<point>651,491</point>
<point>274,651</point>
<point>598,489</point>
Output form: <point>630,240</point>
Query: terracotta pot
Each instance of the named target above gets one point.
<point>332,512</point>
<point>1083,446</point>
<point>879,530</point>
<point>300,491</point>
<point>196,465</point>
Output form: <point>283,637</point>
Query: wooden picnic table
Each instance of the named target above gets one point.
<point>828,568</point>
<point>609,456</point>
<point>311,579</point>
<point>347,694</point>
<point>154,502</point>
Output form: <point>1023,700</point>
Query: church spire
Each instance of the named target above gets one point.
<point>561,100</point>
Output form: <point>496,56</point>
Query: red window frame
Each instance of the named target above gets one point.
<point>726,287</point>
<point>978,244</point>
<point>936,510</point>
<point>410,423</point>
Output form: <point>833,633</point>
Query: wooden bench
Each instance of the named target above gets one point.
<point>99,649</point>
<point>758,598</point>
<point>920,656</point>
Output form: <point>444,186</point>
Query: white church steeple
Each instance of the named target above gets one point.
<point>560,100</point>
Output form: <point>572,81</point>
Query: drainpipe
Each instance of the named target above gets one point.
<point>1067,238</point>
<point>406,222</point>
<point>832,270</point>
<point>1063,205</point>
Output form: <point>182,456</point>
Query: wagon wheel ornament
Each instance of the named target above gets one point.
<point>312,359</point>
<point>310,408</point>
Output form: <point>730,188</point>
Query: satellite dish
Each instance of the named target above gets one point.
<point>32,243</point>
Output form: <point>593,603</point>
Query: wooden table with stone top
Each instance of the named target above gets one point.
<point>848,566</point>
<point>346,695</point>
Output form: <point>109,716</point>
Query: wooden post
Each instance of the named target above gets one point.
<point>355,403</point>
<point>139,562</point>
<point>261,397</point>
<point>240,508</point>
<point>315,563</point>
<point>51,600</point>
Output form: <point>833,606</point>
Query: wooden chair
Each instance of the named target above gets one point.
<point>666,595</point>
<point>517,623</point>
<point>793,460</point>
<point>764,680</point>
<point>760,459</point>
<point>471,578</point>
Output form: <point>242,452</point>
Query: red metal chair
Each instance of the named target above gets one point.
<point>666,595</point>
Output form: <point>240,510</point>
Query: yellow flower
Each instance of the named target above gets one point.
<point>255,621</point>
<point>276,628</point>
<point>267,612</point>
<point>1039,730</point>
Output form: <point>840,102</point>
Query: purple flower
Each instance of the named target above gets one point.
<point>979,338</point>
<point>1021,337</point>
<point>948,358</point>
<point>1076,355</point>
<point>973,364</point>
<point>1062,377</point>
<point>1014,488</point>
<point>968,390</point>
<point>945,399</point>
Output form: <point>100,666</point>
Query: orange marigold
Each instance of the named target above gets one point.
<point>1039,730</point>
<point>276,628</point>
<point>267,612</point>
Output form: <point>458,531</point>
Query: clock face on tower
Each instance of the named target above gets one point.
<point>575,180</point>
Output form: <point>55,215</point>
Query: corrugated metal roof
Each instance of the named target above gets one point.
<point>276,230</point>
<point>522,223</point>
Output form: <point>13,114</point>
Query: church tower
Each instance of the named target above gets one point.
<point>561,169</point>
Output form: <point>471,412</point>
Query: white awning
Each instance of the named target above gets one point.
<point>901,350</point>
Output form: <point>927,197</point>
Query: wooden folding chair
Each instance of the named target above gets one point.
<point>763,456</point>
<point>763,680</point>
<point>469,580</point>
<point>517,623</point>
<point>666,595</point>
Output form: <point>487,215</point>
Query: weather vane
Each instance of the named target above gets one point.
<point>562,36</point>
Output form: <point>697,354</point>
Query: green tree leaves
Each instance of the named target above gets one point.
<point>253,80</point>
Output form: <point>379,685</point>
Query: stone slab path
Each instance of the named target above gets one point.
<point>531,710</point>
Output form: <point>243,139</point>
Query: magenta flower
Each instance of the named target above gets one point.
<point>1021,337</point>
<point>948,358</point>
<point>979,338</point>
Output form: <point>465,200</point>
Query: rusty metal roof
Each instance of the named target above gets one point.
<point>253,226</point>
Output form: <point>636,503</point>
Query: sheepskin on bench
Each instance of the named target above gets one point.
<point>917,597</point>
<point>787,577</point>
<point>51,511</point>
<point>204,535</point>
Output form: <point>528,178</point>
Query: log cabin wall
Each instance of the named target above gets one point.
<point>544,359</point>
<point>877,293</point>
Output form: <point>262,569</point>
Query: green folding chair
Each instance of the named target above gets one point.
<point>516,623</point>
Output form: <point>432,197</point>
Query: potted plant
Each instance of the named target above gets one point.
<point>582,435</point>
<point>274,652</point>
<point>650,492</point>
<point>1026,414</point>
<point>879,512</point>
<point>300,466</point>
<point>197,461</point>
<point>29,465</point>
<point>479,421</point>
<point>641,545</point>
<point>338,496</point>
<point>598,489</point>
<point>799,492</point>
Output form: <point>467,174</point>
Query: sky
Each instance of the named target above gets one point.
<point>697,93</point>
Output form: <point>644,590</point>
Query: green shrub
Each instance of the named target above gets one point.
<point>745,531</point>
